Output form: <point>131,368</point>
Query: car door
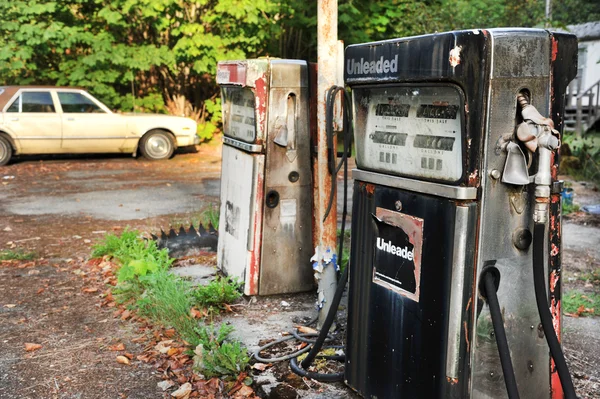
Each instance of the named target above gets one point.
<point>88,126</point>
<point>34,122</point>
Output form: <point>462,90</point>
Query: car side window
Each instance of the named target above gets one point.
<point>78,103</point>
<point>14,107</point>
<point>37,101</point>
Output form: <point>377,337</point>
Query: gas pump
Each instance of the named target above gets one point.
<point>456,207</point>
<point>265,229</point>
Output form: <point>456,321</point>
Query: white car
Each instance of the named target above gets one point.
<point>57,120</point>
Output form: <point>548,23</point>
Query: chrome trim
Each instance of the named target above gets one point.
<point>456,291</point>
<point>241,145</point>
<point>441,190</point>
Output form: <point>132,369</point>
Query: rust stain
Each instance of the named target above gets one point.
<point>469,304</point>
<point>467,336</point>
<point>555,250</point>
<point>473,178</point>
<point>254,263</point>
<point>452,381</point>
<point>370,188</point>
<point>554,49</point>
<point>554,277</point>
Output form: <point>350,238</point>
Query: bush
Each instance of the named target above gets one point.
<point>587,151</point>
<point>216,357</point>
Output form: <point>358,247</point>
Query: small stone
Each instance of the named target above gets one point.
<point>285,304</point>
<point>166,384</point>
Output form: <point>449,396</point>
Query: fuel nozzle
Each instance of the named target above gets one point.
<point>538,134</point>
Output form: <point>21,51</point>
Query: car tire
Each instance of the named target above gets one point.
<point>6,151</point>
<point>157,145</point>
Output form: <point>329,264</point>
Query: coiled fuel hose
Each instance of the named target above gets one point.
<point>323,336</point>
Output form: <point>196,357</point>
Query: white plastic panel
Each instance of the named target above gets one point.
<point>239,119</point>
<point>410,130</point>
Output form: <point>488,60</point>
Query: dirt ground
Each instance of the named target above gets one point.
<point>59,207</point>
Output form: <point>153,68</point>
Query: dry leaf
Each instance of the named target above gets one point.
<point>125,315</point>
<point>244,392</point>
<point>10,305</point>
<point>172,351</point>
<point>164,346</point>
<point>117,347</point>
<point>183,392</point>
<point>166,384</point>
<point>306,330</point>
<point>170,333</point>
<point>129,355</point>
<point>29,347</point>
<point>90,290</point>
<point>261,366</point>
<point>195,313</point>
<point>40,291</point>
<point>122,360</point>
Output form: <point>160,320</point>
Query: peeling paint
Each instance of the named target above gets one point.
<point>473,178</point>
<point>455,56</point>
<point>370,188</point>
<point>452,381</point>
<point>467,337</point>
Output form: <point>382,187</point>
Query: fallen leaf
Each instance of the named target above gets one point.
<point>125,315</point>
<point>10,305</point>
<point>40,291</point>
<point>90,290</point>
<point>183,392</point>
<point>170,333</point>
<point>261,366</point>
<point>195,313</point>
<point>122,360</point>
<point>117,347</point>
<point>164,346</point>
<point>244,392</point>
<point>173,351</point>
<point>29,347</point>
<point>129,355</point>
<point>166,384</point>
<point>306,330</point>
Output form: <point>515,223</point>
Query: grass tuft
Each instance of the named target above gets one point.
<point>581,304</point>
<point>16,255</point>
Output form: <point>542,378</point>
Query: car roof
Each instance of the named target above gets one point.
<point>7,92</point>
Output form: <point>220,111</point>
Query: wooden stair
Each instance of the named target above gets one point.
<point>582,110</point>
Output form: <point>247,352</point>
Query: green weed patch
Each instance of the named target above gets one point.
<point>16,255</point>
<point>577,303</point>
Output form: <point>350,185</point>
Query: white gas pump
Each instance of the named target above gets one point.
<point>265,228</point>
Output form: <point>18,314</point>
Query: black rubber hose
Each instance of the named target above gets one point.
<point>503,350</point>
<point>539,282</point>
<point>328,321</point>
<point>315,376</point>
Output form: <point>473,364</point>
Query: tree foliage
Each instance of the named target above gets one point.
<point>161,55</point>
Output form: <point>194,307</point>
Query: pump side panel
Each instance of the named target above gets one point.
<point>240,179</point>
<point>397,346</point>
<point>287,232</point>
<point>518,62</point>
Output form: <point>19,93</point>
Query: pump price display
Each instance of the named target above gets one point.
<point>410,130</point>
<point>238,113</point>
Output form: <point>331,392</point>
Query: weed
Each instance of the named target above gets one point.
<point>16,255</point>
<point>569,208</point>
<point>214,356</point>
<point>593,277</point>
<point>218,292</point>
<point>576,302</point>
<point>211,215</point>
<point>166,299</point>
<point>587,151</point>
<point>113,243</point>
<point>345,250</point>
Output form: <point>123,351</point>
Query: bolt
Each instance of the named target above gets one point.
<point>398,205</point>
<point>530,365</point>
<point>495,174</point>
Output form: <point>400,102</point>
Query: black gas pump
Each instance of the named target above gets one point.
<point>446,206</point>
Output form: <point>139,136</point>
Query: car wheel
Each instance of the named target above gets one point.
<point>5,151</point>
<point>157,145</point>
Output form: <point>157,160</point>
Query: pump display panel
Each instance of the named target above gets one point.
<point>410,130</point>
<point>239,120</point>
